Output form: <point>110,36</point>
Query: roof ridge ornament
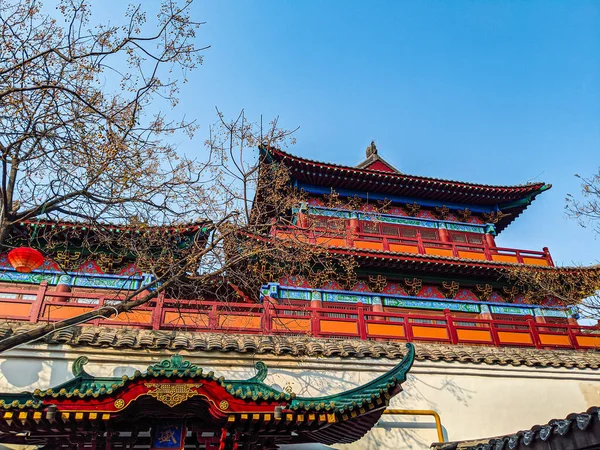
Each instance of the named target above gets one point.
<point>176,364</point>
<point>261,372</point>
<point>371,149</point>
<point>77,366</point>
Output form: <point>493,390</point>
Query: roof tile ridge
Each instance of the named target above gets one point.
<point>407,176</point>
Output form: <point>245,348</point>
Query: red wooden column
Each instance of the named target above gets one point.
<point>485,312</point>
<point>378,307</point>
<point>539,319</point>
<point>534,334</point>
<point>36,307</point>
<point>489,240</point>
<point>302,220</point>
<point>157,315</point>
<point>352,229</point>
<point>362,326</point>
<point>444,235</point>
<point>316,303</point>
<point>452,334</point>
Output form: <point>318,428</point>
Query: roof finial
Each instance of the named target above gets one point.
<point>371,149</point>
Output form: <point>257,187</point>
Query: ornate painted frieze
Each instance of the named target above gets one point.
<point>512,310</point>
<point>427,222</point>
<point>432,304</point>
<point>403,300</point>
<point>73,279</point>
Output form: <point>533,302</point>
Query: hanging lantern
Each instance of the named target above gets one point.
<point>25,259</point>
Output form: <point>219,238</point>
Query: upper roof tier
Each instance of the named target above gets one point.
<point>377,176</point>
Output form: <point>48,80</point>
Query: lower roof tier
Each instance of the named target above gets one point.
<point>293,346</point>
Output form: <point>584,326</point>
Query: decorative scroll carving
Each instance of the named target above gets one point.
<point>371,149</point>
<point>484,291</point>
<point>442,212</point>
<point>173,366</point>
<point>378,283</point>
<point>107,262</point>
<point>511,293</point>
<point>66,259</point>
<point>450,288</point>
<point>493,217</point>
<point>261,372</point>
<point>413,209</point>
<point>347,281</point>
<point>355,203</point>
<point>332,200</point>
<point>77,367</point>
<point>172,394</point>
<point>464,214</point>
<point>413,286</point>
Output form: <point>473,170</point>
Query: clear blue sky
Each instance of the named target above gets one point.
<point>499,92</point>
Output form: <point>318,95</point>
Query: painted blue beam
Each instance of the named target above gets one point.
<point>312,189</point>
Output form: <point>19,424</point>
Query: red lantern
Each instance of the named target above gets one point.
<point>25,259</point>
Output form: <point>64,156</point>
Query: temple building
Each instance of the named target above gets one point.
<point>430,338</point>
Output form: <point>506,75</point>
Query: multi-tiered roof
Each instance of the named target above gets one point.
<point>382,181</point>
<point>431,247</point>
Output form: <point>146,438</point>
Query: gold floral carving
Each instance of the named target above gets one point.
<point>224,405</point>
<point>172,394</point>
<point>378,283</point>
<point>484,291</point>
<point>66,259</point>
<point>442,212</point>
<point>413,209</point>
<point>493,217</point>
<point>106,262</point>
<point>413,286</point>
<point>450,288</point>
<point>511,293</point>
<point>464,214</point>
<point>119,403</point>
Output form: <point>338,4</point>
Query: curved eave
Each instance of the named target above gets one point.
<point>430,263</point>
<point>398,184</point>
<point>363,405</point>
<point>515,209</point>
<point>184,229</point>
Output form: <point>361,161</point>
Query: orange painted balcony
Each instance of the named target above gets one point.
<point>356,321</point>
<point>415,245</point>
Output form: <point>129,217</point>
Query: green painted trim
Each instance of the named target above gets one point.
<point>362,395</point>
<point>84,385</point>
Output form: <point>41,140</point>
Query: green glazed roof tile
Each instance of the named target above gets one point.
<point>85,385</point>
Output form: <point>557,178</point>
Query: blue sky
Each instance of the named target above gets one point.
<point>499,92</point>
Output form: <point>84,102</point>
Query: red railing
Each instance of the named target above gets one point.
<point>415,245</point>
<point>351,321</point>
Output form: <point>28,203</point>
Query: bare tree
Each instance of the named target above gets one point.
<point>586,209</point>
<point>569,286</point>
<point>79,136</point>
<point>233,251</point>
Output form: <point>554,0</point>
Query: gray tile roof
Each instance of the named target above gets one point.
<point>129,338</point>
<point>576,431</point>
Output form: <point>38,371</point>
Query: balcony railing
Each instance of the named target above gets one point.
<point>416,303</point>
<point>416,245</point>
<point>355,321</point>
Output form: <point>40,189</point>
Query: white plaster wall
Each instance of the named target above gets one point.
<point>473,400</point>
